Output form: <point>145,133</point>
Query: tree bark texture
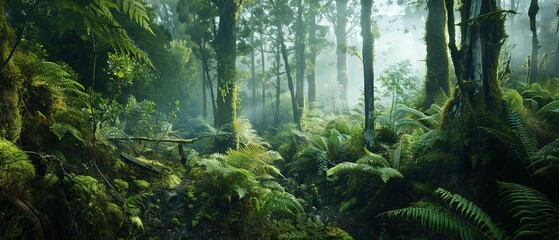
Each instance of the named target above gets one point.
<point>204,95</point>
<point>10,85</point>
<point>301,60</point>
<point>253,75</point>
<point>368,41</point>
<point>226,49</point>
<point>290,86</point>
<point>277,119</point>
<point>532,12</point>
<point>437,79</point>
<point>313,53</point>
<point>264,79</point>
<point>341,49</point>
<point>477,102</point>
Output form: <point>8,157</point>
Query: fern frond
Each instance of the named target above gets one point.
<point>518,147</point>
<point>203,211</point>
<point>552,107</point>
<point>283,202</point>
<point>546,160</point>
<point>538,216</point>
<point>387,173</point>
<point>453,215</point>
<point>136,12</point>
<point>439,220</point>
<point>349,168</point>
<point>513,121</point>
<point>373,159</point>
<point>471,212</point>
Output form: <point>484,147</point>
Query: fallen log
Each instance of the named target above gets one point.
<point>141,163</point>
<point>191,140</point>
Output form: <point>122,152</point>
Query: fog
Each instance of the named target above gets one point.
<point>400,37</point>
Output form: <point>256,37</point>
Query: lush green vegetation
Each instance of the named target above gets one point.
<point>215,119</point>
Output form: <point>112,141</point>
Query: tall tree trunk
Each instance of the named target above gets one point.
<point>204,95</point>
<point>10,85</point>
<point>532,12</point>
<point>206,68</point>
<point>253,75</point>
<point>264,79</point>
<point>294,105</point>
<point>277,119</point>
<point>477,103</point>
<point>341,42</point>
<point>300,56</point>
<point>437,78</point>
<point>311,72</point>
<point>226,49</point>
<point>556,63</point>
<point>368,73</point>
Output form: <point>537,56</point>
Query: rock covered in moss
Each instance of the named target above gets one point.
<point>15,168</point>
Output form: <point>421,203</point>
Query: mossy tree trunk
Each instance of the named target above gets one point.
<point>478,99</point>
<point>226,49</point>
<point>341,49</point>
<point>437,78</point>
<point>10,84</point>
<point>369,76</point>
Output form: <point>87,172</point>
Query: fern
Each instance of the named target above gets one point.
<point>96,19</point>
<point>546,160</point>
<point>453,215</point>
<point>203,211</point>
<point>280,201</point>
<point>247,135</point>
<point>552,107</point>
<point>136,12</point>
<point>348,168</point>
<point>518,139</point>
<point>538,217</point>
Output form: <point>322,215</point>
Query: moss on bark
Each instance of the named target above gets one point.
<point>10,85</point>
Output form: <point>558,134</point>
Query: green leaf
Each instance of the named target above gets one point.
<point>60,129</point>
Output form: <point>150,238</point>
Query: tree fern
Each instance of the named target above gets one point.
<point>96,19</point>
<point>538,217</point>
<point>453,215</point>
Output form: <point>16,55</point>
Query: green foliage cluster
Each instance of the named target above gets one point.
<point>454,216</point>
<point>96,216</point>
<point>15,169</point>
<point>238,192</point>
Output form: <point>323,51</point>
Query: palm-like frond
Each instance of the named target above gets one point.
<point>538,217</point>
<point>96,18</point>
<point>452,215</point>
